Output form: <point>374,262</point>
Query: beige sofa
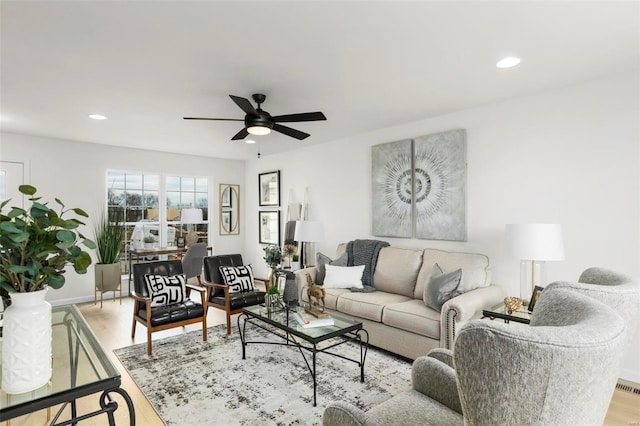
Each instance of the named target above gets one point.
<point>395,315</point>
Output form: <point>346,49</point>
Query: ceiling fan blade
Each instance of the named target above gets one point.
<point>305,116</point>
<point>290,132</point>
<point>244,105</point>
<point>240,135</point>
<point>214,119</point>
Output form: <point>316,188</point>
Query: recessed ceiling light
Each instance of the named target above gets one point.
<point>250,141</point>
<point>508,62</point>
<point>97,117</point>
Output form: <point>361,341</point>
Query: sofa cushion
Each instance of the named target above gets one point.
<point>413,316</point>
<point>166,290</point>
<point>367,305</point>
<point>441,287</point>
<point>475,269</point>
<point>397,271</point>
<point>343,276</point>
<point>330,297</point>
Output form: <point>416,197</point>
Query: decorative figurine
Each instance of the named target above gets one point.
<point>316,295</point>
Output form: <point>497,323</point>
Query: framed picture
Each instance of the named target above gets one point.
<point>534,297</point>
<point>269,189</point>
<point>225,217</point>
<point>225,197</point>
<point>269,227</point>
<point>180,242</point>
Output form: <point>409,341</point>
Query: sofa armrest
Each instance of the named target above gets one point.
<point>436,380</point>
<point>465,307</point>
<point>301,279</point>
<point>343,414</point>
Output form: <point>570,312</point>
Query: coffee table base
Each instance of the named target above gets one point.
<point>290,340</point>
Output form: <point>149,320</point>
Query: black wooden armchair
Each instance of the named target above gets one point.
<point>170,314</point>
<point>218,294</point>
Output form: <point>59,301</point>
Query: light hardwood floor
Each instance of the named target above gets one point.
<point>112,326</point>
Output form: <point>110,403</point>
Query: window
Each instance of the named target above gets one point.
<point>136,198</point>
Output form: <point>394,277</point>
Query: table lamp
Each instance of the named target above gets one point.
<point>309,232</point>
<point>190,217</point>
<point>533,243</point>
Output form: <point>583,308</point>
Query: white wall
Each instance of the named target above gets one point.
<point>569,156</point>
<point>76,173</point>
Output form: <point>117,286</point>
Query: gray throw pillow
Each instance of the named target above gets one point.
<point>441,287</point>
<point>322,260</point>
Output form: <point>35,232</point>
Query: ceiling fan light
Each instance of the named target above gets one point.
<point>258,130</point>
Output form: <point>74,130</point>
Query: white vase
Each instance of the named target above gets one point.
<point>295,266</point>
<point>26,342</point>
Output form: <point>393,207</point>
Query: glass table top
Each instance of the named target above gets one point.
<point>500,311</point>
<point>80,366</point>
<point>284,319</point>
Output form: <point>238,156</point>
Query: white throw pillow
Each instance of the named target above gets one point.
<point>343,276</point>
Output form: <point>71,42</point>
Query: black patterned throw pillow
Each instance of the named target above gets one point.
<point>238,278</point>
<point>165,290</point>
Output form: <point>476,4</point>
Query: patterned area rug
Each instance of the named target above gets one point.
<point>191,382</point>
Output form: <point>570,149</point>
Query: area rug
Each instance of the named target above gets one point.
<point>191,382</point>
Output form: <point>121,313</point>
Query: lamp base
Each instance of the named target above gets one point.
<point>531,275</point>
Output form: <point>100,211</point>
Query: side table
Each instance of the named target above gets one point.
<point>500,311</point>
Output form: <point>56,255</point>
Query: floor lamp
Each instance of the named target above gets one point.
<point>190,217</point>
<point>532,244</point>
<point>309,232</point>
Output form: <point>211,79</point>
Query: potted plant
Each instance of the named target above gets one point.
<point>273,257</point>
<point>36,247</point>
<point>272,296</point>
<point>295,262</point>
<point>108,234</point>
<point>148,242</point>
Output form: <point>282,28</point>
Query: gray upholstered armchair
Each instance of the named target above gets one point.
<point>510,374</point>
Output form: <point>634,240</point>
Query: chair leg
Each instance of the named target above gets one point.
<point>133,328</point>
<point>228,323</point>
<point>148,341</point>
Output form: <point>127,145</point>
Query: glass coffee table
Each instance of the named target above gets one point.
<point>80,368</point>
<point>315,340</point>
<point>500,311</point>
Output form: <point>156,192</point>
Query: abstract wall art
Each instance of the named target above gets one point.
<point>419,187</point>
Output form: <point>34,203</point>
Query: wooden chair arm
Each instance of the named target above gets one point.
<point>215,285</point>
<point>196,288</point>
<point>140,298</point>
<point>264,280</point>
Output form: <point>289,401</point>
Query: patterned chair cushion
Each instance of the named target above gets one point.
<point>166,290</point>
<point>238,278</point>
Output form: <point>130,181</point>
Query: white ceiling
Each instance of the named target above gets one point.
<point>366,65</point>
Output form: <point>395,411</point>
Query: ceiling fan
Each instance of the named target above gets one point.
<point>260,122</point>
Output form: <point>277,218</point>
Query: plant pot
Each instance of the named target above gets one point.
<point>26,342</point>
<point>108,277</point>
<point>148,246</point>
<point>271,300</point>
<point>295,266</point>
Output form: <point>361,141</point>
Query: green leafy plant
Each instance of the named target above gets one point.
<point>272,255</point>
<point>295,257</point>
<point>108,233</point>
<point>273,290</point>
<point>148,239</point>
<point>37,244</point>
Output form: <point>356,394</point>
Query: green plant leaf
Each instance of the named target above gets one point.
<point>65,236</point>
<point>80,212</point>
<point>19,238</point>
<point>17,269</point>
<point>27,189</point>
<point>55,281</point>
<point>8,287</point>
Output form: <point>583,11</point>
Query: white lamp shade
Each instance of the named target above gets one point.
<point>191,216</point>
<point>309,231</point>
<point>534,241</point>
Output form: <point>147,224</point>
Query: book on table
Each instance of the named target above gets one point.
<point>309,321</point>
